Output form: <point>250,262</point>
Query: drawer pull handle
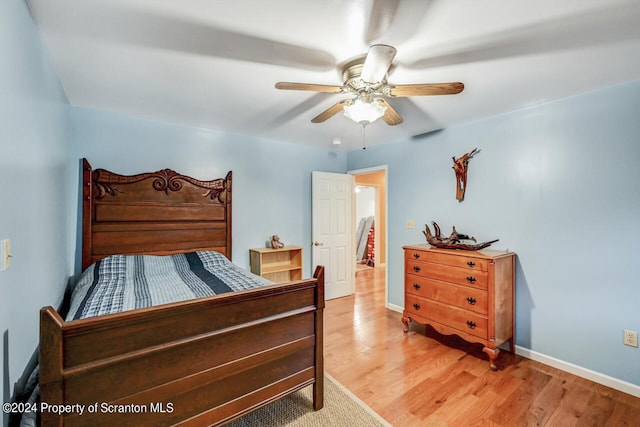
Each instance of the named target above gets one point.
<point>416,268</point>
<point>471,264</point>
<point>472,301</point>
<point>471,279</point>
<point>416,286</point>
<point>471,324</point>
<point>416,255</point>
<point>416,306</point>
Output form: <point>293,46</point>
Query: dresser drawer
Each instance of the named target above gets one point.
<point>460,276</point>
<point>460,296</point>
<point>462,320</point>
<point>460,261</point>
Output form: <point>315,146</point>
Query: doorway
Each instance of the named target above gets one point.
<point>365,243</point>
<point>370,220</point>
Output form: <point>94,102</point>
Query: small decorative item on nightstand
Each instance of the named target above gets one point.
<point>275,242</point>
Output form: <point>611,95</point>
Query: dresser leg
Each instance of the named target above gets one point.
<point>493,355</point>
<point>405,323</point>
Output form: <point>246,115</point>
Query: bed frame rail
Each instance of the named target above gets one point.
<point>200,362</point>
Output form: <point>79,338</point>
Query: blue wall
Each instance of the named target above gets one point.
<point>558,185</point>
<point>34,187</point>
<point>271,180</point>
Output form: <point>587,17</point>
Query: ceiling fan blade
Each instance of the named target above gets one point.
<point>391,116</point>
<point>308,104</point>
<point>426,89</point>
<point>575,31</point>
<point>330,112</point>
<point>377,63</point>
<point>309,87</point>
<point>382,14</point>
<point>150,27</point>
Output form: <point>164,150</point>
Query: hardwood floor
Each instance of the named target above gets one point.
<point>415,380</point>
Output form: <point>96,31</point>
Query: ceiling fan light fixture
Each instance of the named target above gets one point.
<point>364,112</point>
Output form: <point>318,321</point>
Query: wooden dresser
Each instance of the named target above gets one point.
<point>467,293</point>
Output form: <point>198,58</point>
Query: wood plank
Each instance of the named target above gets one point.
<point>426,311</point>
<point>398,375</point>
<point>461,276</point>
<point>156,212</point>
<point>135,241</point>
<point>472,263</point>
<point>51,360</point>
<point>91,338</point>
<point>211,400</point>
<point>94,381</point>
<point>152,226</point>
<point>462,296</point>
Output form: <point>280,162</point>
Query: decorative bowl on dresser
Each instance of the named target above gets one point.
<point>467,293</point>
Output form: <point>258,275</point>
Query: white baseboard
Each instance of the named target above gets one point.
<point>394,307</point>
<point>579,371</point>
<point>596,377</point>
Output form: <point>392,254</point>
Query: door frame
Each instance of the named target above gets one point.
<point>385,169</point>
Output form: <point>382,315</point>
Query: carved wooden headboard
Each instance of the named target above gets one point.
<point>158,213</point>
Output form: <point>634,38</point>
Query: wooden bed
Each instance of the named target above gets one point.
<point>201,362</point>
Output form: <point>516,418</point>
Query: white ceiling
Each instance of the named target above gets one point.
<point>213,64</point>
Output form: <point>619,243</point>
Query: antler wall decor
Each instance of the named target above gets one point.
<point>460,166</point>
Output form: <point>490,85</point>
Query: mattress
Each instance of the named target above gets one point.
<point>127,282</point>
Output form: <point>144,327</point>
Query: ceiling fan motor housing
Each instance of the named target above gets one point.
<point>352,81</point>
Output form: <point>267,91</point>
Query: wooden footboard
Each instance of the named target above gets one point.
<point>200,362</point>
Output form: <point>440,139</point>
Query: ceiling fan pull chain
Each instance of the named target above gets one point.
<point>364,135</point>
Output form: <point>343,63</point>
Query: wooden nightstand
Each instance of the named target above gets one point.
<point>278,265</point>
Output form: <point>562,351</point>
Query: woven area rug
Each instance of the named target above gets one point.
<point>341,408</point>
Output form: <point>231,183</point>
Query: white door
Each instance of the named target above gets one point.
<point>332,231</point>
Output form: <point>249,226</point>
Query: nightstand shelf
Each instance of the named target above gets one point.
<point>278,265</point>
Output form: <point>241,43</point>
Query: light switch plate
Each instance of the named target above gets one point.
<point>5,254</point>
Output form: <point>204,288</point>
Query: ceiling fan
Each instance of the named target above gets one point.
<point>366,81</point>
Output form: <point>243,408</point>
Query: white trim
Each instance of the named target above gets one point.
<point>368,170</point>
<point>394,307</point>
<point>579,371</point>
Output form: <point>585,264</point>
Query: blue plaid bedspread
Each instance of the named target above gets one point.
<point>126,282</point>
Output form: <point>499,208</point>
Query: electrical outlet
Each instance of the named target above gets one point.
<point>630,338</point>
<point>410,224</point>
